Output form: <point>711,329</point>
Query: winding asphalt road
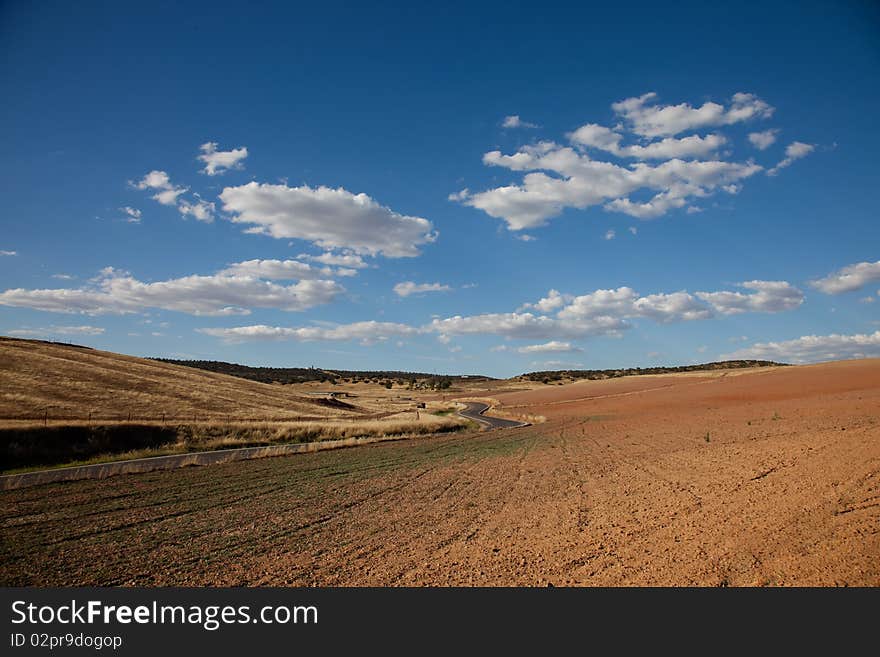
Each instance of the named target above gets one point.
<point>475,410</point>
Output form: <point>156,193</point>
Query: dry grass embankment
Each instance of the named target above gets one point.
<point>39,379</point>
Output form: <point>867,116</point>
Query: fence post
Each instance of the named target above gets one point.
<point>46,417</point>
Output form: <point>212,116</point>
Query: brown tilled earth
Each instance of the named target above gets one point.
<point>769,477</point>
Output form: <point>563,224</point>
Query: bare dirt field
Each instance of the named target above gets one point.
<point>770,477</point>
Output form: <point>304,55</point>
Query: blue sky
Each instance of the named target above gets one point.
<point>437,170</point>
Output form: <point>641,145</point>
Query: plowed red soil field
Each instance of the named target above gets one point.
<point>768,477</point>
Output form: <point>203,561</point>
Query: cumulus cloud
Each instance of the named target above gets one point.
<point>794,151</point>
<point>132,215</point>
<point>59,330</point>
<point>526,326</point>
<point>558,176</point>
<point>768,297</point>
<point>609,311</point>
<point>848,279</point>
<point>283,270</point>
<point>199,210</point>
<point>217,162</point>
<point>513,121</point>
<point>330,218</point>
<point>624,302</point>
<point>605,139</point>
<point>554,346</point>
<point>814,348</point>
<point>118,292</point>
<point>582,182</point>
<point>347,260</point>
<point>610,234</point>
<point>650,120</point>
<point>553,301</point>
<point>763,140</point>
<point>159,181</point>
<point>407,288</point>
<point>8,253</point>
<point>367,332</point>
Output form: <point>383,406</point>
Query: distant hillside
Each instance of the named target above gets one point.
<point>58,381</point>
<point>558,375</point>
<point>287,375</point>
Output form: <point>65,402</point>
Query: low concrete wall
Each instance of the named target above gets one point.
<point>171,462</point>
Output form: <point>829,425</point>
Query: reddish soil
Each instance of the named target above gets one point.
<point>770,477</point>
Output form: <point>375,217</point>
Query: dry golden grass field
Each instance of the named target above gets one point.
<point>63,405</point>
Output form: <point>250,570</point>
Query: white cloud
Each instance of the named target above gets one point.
<point>200,210</point>
<point>59,330</point>
<point>650,120</point>
<point>848,279</point>
<point>348,260</point>
<point>605,139</point>
<point>583,182</point>
<point>367,332</point>
<point>610,234</point>
<point>633,230</point>
<point>63,277</point>
<point>554,346</point>
<point>282,270</point>
<point>455,349</point>
<point>514,121</point>
<point>133,215</point>
<point>556,176</point>
<point>553,301</point>
<point>166,193</point>
<point>694,209</point>
<point>814,348</point>
<point>867,300</point>
<point>407,288</point>
<point>117,292</point>
<point>217,162</point>
<point>768,297</point>
<point>524,237</point>
<point>526,326</point>
<point>794,151</point>
<point>8,253</point>
<point>624,302</point>
<point>763,140</point>
<point>330,218</point>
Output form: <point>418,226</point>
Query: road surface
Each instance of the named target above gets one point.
<point>475,410</point>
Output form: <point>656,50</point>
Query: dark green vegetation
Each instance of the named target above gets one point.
<point>559,375</point>
<point>287,375</point>
<point>42,446</point>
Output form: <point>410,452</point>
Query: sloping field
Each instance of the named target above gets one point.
<point>68,383</point>
<point>766,478</point>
